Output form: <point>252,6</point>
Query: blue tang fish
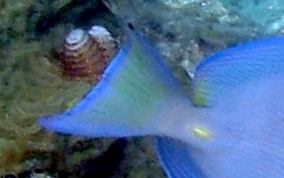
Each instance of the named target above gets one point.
<point>232,126</point>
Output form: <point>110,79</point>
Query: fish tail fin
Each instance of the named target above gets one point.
<point>129,100</point>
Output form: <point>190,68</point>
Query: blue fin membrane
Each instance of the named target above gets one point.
<point>128,98</point>
<point>218,75</point>
<point>176,159</point>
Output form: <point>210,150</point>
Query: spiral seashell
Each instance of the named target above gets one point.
<point>85,55</point>
<point>104,40</point>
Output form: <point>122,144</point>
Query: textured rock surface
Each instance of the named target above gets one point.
<point>267,13</point>
<point>185,31</point>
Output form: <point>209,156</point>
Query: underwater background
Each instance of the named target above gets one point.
<point>32,85</point>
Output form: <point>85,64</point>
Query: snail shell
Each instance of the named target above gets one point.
<point>85,55</point>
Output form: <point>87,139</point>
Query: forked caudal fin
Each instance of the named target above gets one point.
<point>129,100</point>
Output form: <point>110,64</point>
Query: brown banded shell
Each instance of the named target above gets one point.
<point>86,55</point>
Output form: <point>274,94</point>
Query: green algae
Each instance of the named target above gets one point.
<point>31,86</point>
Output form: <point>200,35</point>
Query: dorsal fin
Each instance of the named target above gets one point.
<point>217,75</point>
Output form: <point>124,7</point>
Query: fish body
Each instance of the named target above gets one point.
<point>241,110</point>
<point>231,127</point>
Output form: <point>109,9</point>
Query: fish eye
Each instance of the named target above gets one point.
<point>130,26</point>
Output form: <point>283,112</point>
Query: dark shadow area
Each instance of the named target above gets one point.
<point>81,13</point>
<point>105,165</point>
